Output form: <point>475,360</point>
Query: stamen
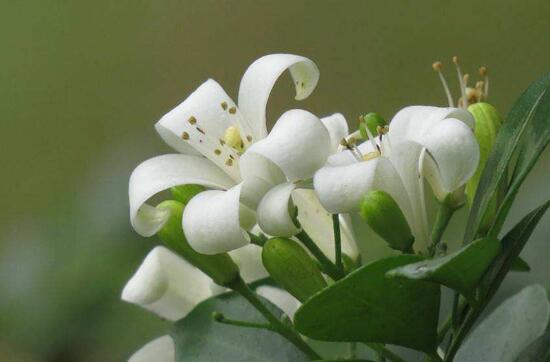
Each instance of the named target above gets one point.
<point>437,66</point>
<point>371,138</point>
<point>485,74</point>
<point>371,155</point>
<point>462,85</point>
<point>350,147</point>
<point>232,138</point>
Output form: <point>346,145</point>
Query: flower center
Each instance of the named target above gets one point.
<point>232,138</point>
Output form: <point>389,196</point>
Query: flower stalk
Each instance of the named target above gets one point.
<point>328,266</point>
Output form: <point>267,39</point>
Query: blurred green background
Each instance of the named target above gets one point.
<point>83,82</point>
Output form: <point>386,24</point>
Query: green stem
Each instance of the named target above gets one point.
<point>337,242</point>
<point>442,219</point>
<point>328,266</point>
<point>285,330</point>
<point>384,352</point>
<point>220,318</point>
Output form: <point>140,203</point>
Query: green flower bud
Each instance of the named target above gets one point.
<point>385,217</point>
<point>292,268</point>
<point>371,121</point>
<point>487,124</point>
<point>184,193</point>
<point>219,267</point>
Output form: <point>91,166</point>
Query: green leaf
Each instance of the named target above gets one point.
<point>504,334</point>
<point>519,265</point>
<point>366,306</point>
<point>199,338</point>
<point>527,128</point>
<point>512,245</point>
<point>460,270</point>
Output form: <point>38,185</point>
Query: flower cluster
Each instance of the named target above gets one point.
<point>234,185</point>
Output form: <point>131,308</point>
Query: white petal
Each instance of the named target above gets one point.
<point>167,285</point>
<point>405,158</point>
<point>256,165</point>
<point>275,209</point>
<point>317,223</point>
<point>337,127</point>
<point>203,117</point>
<point>259,79</point>
<point>160,173</point>
<point>216,221</point>
<point>299,144</point>
<point>249,260</point>
<point>341,188</point>
<point>160,349</point>
<point>455,154</point>
<point>281,298</point>
<point>412,123</point>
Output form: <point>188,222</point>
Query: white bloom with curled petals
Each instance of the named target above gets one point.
<point>160,349</point>
<point>431,142</point>
<point>213,134</point>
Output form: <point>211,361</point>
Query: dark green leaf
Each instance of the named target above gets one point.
<point>520,265</point>
<point>512,245</point>
<point>366,306</point>
<point>460,270</point>
<point>199,338</point>
<point>504,334</point>
<point>526,127</point>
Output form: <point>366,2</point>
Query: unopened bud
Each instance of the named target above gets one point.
<point>184,193</point>
<point>371,122</point>
<point>292,268</point>
<point>219,267</point>
<point>385,217</point>
<point>487,125</point>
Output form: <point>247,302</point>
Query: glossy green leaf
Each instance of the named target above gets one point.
<point>527,128</point>
<point>199,338</point>
<point>520,265</point>
<point>366,306</point>
<point>460,270</point>
<point>504,334</point>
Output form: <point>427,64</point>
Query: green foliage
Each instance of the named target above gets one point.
<point>515,324</point>
<point>366,306</point>
<point>525,130</point>
<point>184,193</point>
<point>520,265</point>
<point>198,337</point>
<point>460,270</point>
<point>385,217</point>
<point>219,267</point>
<point>291,267</point>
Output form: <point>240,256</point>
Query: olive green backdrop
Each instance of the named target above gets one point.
<point>83,82</point>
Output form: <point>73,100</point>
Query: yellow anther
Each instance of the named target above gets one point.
<point>371,155</point>
<point>232,138</point>
<point>437,66</point>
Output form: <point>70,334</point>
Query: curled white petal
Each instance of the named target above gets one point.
<point>281,298</point>
<point>453,154</point>
<point>412,123</point>
<point>341,188</point>
<point>199,122</point>
<point>337,127</point>
<point>167,285</point>
<point>160,173</point>
<point>298,144</point>
<point>259,79</point>
<point>317,223</point>
<point>275,210</point>
<point>216,221</point>
<point>160,349</point>
<point>249,260</point>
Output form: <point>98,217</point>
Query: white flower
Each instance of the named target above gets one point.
<point>227,149</point>
<point>170,287</point>
<point>437,143</point>
<point>160,349</point>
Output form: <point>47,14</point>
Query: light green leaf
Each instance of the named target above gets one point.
<point>514,325</point>
<point>527,128</point>
<point>366,306</point>
<point>199,338</point>
<point>520,265</point>
<point>460,270</point>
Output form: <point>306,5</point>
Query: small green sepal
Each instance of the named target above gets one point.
<point>385,217</point>
<point>292,268</point>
